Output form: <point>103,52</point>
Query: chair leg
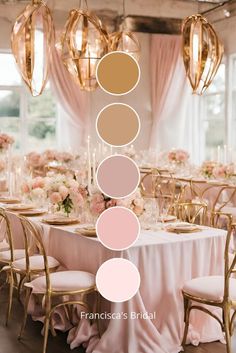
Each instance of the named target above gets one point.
<point>226,313</point>
<point>46,330</point>
<point>26,304</point>
<point>10,296</point>
<point>186,319</point>
<point>19,288</point>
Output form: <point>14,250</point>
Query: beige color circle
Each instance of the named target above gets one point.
<point>118,124</point>
<point>118,73</point>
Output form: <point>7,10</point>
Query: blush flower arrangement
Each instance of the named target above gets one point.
<point>38,161</point>
<point>66,193</point>
<point>178,156</point>
<point>223,171</point>
<point>100,202</point>
<point>5,141</point>
<point>207,168</point>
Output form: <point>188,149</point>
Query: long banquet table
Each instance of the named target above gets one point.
<point>165,261</point>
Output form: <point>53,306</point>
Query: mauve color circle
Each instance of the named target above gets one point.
<point>118,280</point>
<point>118,176</point>
<point>118,228</point>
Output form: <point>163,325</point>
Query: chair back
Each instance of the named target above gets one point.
<point>230,260</point>
<point>191,212</point>
<point>32,238</point>
<point>6,229</point>
<point>226,197</point>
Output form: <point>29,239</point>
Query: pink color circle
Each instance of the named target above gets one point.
<point>118,176</point>
<point>118,228</point>
<point>118,280</point>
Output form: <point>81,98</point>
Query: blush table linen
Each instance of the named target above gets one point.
<point>166,261</point>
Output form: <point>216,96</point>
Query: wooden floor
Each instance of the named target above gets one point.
<point>32,341</point>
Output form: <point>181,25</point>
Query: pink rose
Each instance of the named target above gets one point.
<point>77,199</point>
<point>38,183</point>
<point>64,192</point>
<point>55,197</point>
<point>111,203</point>
<point>25,188</point>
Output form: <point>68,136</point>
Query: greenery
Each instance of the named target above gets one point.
<point>41,130</point>
<point>66,205</point>
<point>10,104</point>
<point>43,106</point>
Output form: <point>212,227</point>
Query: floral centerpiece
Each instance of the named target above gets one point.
<point>5,141</point>
<point>35,189</point>
<point>99,203</point>
<point>223,171</point>
<point>207,168</point>
<point>178,156</point>
<point>36,162</point>
<point>66,193</point>
<point>212,169</point>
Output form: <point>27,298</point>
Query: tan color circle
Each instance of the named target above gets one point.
<point>118,124</point>
<point>118,73</point>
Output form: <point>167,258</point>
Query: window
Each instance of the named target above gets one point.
<point>31,120</point>
<point>212,115</point>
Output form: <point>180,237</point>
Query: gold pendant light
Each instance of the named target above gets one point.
<point>31,40</point>
<point>202,52</point>
<point>84,42</point>
<point>125,40</point>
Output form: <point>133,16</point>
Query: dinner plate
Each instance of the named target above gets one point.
<point>87,231</point>
<point>183,228</point>
<point>19,207</point>
<point>32,213</point>
<point>60,221</point>
<point>9,200</point>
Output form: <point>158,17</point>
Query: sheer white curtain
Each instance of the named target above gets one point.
<point>74,115</point>
<point>171,95</point>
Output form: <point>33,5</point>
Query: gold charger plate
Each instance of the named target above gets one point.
<point>19,207</point>
<point>87,232</point>
<point>32,213</point>
<point>183,228</point>
<point>9,200</point>
<point>60,221</point>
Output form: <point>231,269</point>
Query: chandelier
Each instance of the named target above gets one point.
<point>83,43</point>
<point>125,40</point>
<point>31,40</point>
<point>202,52</point>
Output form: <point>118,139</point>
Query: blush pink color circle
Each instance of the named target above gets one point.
<point>118,228</point>
<point>118,280</point>
<point>118,176</point>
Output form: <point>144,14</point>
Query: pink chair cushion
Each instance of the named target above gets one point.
<point>63,281</point>
<point>6,255</point>
<point>36,263</point>
<point>210,288</point>
<point>4,245</point>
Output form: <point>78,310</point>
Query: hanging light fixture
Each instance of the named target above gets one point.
<point>202,52</point>
<point>125,40</point>
<point>83,43</point>
<point>31,40</point>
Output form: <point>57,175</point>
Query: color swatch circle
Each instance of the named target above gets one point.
<point>118,73</point>
<point>118,176</point>
<point>118,124</point>
<point>118,280</point>
<point>118,228</point>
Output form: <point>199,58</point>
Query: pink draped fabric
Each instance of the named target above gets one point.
<point>168,89</point>
<point>73,100</point>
